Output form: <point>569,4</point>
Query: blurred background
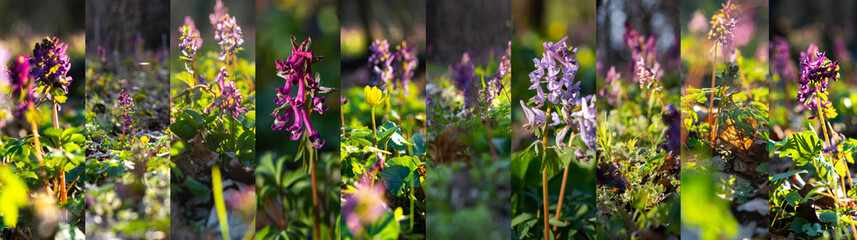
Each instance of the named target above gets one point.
<point>367,21</point>
<point>468,188</point>
<point>24,23</point>
<point>657,18</point>
<point>278,22</point>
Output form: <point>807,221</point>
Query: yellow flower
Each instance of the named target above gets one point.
<point>373,95</point>
<point>144,139</point>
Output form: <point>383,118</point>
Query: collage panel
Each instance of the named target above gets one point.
<point>213,119</point>
<point>468,79</point>
<point>813,128</point>
<point>554,119</point>
<point>127,119</point>
<point>383,149</point>
<point>42,190</point>
<point>639,89</point>
<point>725,119</point>
<point>297,179</point>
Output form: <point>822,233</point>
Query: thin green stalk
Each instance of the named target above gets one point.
<point>545,176</point>
<point>218,202</point>
<point>412,208</point>
<point>711,101</point>
<point>374,134</point>
<point>313,158</point>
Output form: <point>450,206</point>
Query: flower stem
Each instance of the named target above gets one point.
<point>342,117</point>
<point>545,176</point>
<point>711,100</point>
<point>374,128</point>
<point>61,177</point>
<point>313,159</point>
<point>561,196</point>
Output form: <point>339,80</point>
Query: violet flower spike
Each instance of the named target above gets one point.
<point>292,116</point>
<point>381,62</point>
<point>230,98</point>
<point>190,41</point>
<point>21,84</point>
<point>50,64</point>
<point>815,71</point>
<point>126,103</point>
<point>227,33</point>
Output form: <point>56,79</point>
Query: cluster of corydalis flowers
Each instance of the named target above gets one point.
<point>781,60</point>
<point>230,98</point>
<point>22,87</point>
<point>562,92</point>
<point>50,65</point>
<point>463,77</point>
<point>494,85</point>
<point>190,42</point>
<point>816,72</point>
<point>395,68</point>
<point>612,90</point>
<point>45,72</point>
<point>227,33</point>
<point>126,104</point>
<point>722,30</point>
<point>647,70</point>
<point>293,114</point>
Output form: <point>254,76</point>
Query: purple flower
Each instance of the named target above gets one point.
<point>50,64</point>
<point>227,33</point>
<point>405,62</point>
<point>463,77</point>
<point>365,205</point>
<point>494,86</point>
<point>640,46</point>
<point>561,89</point>
<point>613,89</point>
<point>535,118</point>
<point>672,119</point>
<point>781,61</point>
<point>126,104</point>
<point>230,98</point>
<point>815,71</point>
<point>645,75</point>
<point>722,30</point>
<point>22,86</point>
<point>297,71</point>
<point>586,121</point>
<point>5,54</point>
<point>381,62</point>
<point>343,100</point>
<point>190,40</point>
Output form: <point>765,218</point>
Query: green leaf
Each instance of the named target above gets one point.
<point>419,143</point>
<point>828,216</point>
<point>786,174</point>
<point>13,195</point>
<point>184,127</point>
<point>384,228</point>
<point>398,172</point>
<point>389,131</point>
<point>557,223</point>
<point>801,147</point>
<point>523,217</point>
<point>551,162</point>
<point>797,224</point>
<point>201,191</point>
<point>793,198</point>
